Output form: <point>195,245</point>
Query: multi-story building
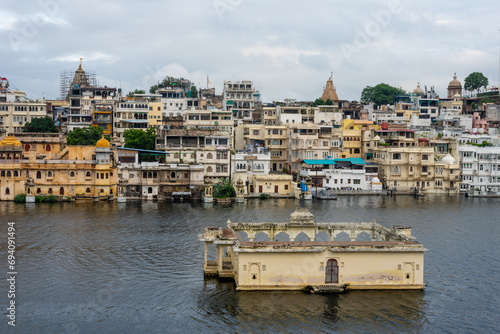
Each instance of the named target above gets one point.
<point>83,97</point>
<point>131,114</point>
<point>157,180</point>
<point>76,170</point>
<point>309,141</point>
<point>407,163</point>
<point>16,109</point>
<point>480,167</point>
<point>240,97</point>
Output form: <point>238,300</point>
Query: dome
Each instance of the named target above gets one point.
<point>448,159</point>
<point>375,180</point>
<point>418,90</point>
<point>377,138</point>
<point>455,83</point>
<point>103,142</point>
<point>11,141</point>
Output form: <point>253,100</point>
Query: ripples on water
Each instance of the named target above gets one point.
<point>137,267</point>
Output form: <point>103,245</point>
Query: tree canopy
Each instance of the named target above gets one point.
<point>224,189</point>
<point>45,124</point>
<point>85,136</point>
<point>169,81</point>
<point>194,92</point>
<point>475,80</point>
<point>380,94</point>
<point>140,139</point>
<point>136,91</point>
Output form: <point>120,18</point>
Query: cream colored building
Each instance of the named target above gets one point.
<point>16,109</point>
<point>279,185</point>
<point>406,163</point>
<point>292,256</point>
<point>76,170</point>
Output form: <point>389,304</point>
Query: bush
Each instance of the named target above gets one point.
<point>21,198</point>
<point>264,196</point>
<point>224,189</point>
<point>52,199</point>
<point>40,199</point>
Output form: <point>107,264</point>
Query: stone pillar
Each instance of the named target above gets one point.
<point>122,189</point>
<point>240,192</point>
<point>209,187</point>
<point>29,186</point>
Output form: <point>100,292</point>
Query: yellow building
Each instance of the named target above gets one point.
<point>279,185</point>
<point>290,256</point>
<point>155,114</point>
<point>76,170</point>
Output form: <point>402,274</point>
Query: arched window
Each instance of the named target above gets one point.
<point>210,169</point>
<point>150,175</point>
<point>50,191</point>
<point>8,173</point>
<point>2,173</point>
<point>88,174</point>
<point>72,174</point>
<point>172,175</point>
<point>7,191</point>
<point>61,191</point>
<point>144,175</point>
<point>27,147</point>
<point>155,175</point>
<point>47,148</point>
<point>38,175</point>
<point>16,173</point>
<point>49,174</point>
<point>88,190</point>
<point>332,272</point>
<point>150,190</point>
<point>38,190</point>
<point>210,156</point>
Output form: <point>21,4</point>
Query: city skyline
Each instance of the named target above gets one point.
<point>287,49</point>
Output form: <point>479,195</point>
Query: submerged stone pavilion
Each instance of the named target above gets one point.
<point>389,259</point>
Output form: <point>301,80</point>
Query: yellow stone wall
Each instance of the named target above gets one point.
<point>361,270</point>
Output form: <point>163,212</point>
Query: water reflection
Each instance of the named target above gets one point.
<point>301,312</point>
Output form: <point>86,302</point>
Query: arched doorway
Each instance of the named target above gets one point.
<point>61,191</point>
<point>332,272</point>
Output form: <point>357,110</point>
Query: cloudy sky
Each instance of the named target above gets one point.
<point>287,48</point>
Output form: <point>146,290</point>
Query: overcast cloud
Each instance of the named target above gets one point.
<point>287,48</point>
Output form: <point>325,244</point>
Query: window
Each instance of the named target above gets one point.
<point>357,181</point>
<point>72,174</point>
<point>396,156</point>
<point>87,174</point>
<point>38,175</point>
<point>425,157</point>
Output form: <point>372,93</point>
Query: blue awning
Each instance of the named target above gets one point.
<point>319,162</point>
<point>354,161</point>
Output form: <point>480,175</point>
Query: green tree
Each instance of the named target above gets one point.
<point>140,139</point>
<point>318,102</point>
<point>136,91</point>
<point>224,189</point>
<point>85,136</point>
<point>380,94</point>
<point>474,81</point>
<point>152,89</point>
<point>45,124</point>
<point>329,102</point>
<point>169,81</point>
<point>194,92</point>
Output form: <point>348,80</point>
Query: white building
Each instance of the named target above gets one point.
<point>16,109</point>
<point>130,114</point>
<point>243,165</point>
<point>480,169</point>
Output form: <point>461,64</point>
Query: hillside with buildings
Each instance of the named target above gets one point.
<point>420,144</point>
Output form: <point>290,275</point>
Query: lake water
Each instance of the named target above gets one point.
<point>137,267</point>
